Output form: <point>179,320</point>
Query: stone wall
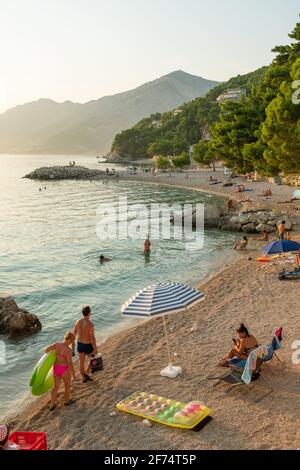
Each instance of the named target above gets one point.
<point>255,221</point>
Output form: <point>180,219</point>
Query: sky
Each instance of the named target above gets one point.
<point>83,49</point>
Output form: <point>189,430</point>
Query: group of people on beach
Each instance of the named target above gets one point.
<point>63,370</point>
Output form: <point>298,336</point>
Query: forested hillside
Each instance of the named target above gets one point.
<point>260,132</point>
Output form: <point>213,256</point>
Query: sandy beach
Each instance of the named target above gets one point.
<point>199,180</point>
<point>245,291</point>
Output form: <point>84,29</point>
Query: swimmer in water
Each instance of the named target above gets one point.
<point>103,259</point>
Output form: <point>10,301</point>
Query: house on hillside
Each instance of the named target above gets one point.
<point>232,95</point>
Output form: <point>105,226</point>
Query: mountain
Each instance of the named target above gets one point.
<point>173,132</point>
<point>48,127</point>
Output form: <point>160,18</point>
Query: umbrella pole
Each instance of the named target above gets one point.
<point>167,339</point>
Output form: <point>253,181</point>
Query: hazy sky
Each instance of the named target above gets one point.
<point>84,49</point>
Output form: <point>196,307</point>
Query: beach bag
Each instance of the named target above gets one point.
<point>96,363</point>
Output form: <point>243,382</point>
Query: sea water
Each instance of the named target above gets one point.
<point>49,256</point>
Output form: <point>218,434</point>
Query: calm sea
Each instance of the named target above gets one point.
<point>49,257</point>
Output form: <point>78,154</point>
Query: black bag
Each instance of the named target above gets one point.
<point>96,363</point>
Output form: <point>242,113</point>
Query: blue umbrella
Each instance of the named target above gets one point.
<point>296,194</point>
<point>160,300</point>
<point>281,246</point>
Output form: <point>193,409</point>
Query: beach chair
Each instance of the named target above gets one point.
<point>244,373</point>
<point>273,348</point>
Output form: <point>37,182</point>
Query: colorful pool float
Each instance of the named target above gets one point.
<point>165,411</point>
<point>42,376</point>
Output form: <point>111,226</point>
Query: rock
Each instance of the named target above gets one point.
<point>264,227</point>
<point>243,219</point>
<point>16,322</point>
<point>263,217</point>
<point>249,228</point>
<point>211,223</point>
<point>272,222</point>
<point>230,226</point>
<point>253,219</point>
<point>65,172</point>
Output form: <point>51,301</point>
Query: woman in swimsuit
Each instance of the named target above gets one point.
<point>63,368</point>
<point>242,346</point>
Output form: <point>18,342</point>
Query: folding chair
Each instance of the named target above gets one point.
<point>236,376</point>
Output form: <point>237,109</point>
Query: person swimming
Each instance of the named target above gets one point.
<point>103,259</point>
<point>63,368</point>
<point>241,244</point>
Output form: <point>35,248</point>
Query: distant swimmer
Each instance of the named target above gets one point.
<point>103,259</point>
<point>147,246</point>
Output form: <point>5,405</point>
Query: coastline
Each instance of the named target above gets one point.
<point>134,356</point>
<point>244,291</point>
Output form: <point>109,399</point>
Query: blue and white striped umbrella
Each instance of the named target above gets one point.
<point>161,299</point>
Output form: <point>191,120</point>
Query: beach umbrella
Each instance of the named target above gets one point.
<point>296,194</point>
<point>160,300</point>
<point>281,246</point>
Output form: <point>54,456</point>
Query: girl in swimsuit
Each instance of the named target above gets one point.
<point>63,368</point>
<point>242,346</point>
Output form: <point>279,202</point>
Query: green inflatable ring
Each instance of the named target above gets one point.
<point>42,380</point>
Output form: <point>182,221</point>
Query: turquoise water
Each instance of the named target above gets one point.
<point>49,254</point>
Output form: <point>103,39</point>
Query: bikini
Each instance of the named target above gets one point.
<point>60,369</point>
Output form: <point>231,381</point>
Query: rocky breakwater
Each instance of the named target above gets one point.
<point>16,322</point>
<point>68,172</point>
<point>255,221</point>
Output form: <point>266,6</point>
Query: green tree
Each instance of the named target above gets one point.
<point>235,128</point>
<point>163,163</point>
<point>281,129</point>
<point>162,147</point>
<point>203,154</point>
<point>183,160</point>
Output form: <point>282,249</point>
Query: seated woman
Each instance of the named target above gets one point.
<point>242,347</point>
<point>63,368</point>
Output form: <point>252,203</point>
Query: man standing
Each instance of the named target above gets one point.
<point>147,246</point>
<point>281,230</point>
<point>230,206</point>
<point>86,342</point>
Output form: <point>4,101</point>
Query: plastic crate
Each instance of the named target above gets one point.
<point>30,440</point>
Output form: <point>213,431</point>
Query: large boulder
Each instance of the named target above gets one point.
<point>231,227</point>
<point>265,228</point>
<point>249,228</point>
<point>15,322</point>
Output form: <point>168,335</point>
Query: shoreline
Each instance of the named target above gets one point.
<point>134,356</point>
